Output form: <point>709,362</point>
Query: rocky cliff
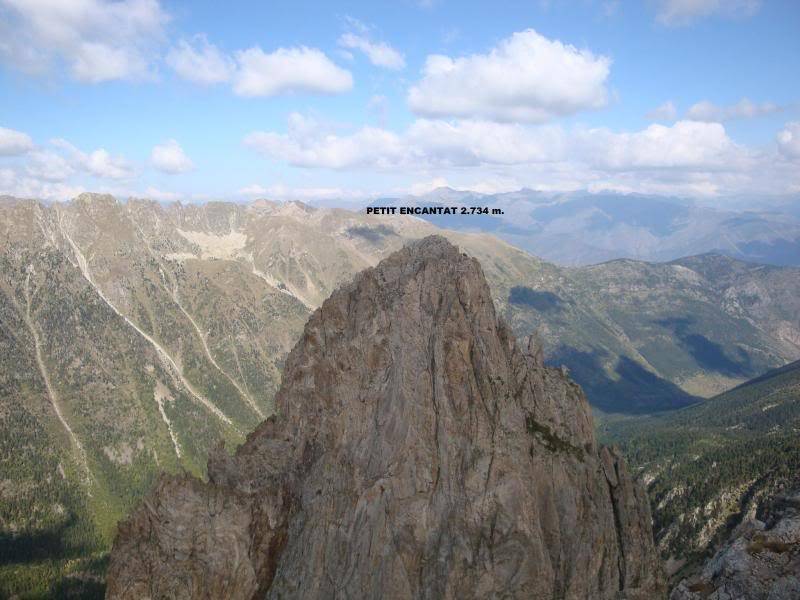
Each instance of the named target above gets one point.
<point>416,452</point>
<point>760,561</point>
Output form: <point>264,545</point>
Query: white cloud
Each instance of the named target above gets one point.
<point>203,64</point>
<point>685,145</point>
<point>288,70</point>
<point>21,186</point>
<point>49,166</point>
<point>308,144</point>
<point>426,143</point>
<point>13,143</point>
<point>789,140</point>
<point>379,54</point>
<point>169,157</point>
<point>470,143</point>
<point>58,170</point>
<point>436,144</point>
<point>99,163</point>
<point>97,40</point>
<point>526,77</point>
<point>163,195</point>
<point>744,109</point>
<point>687,157</point>
<point>253,72</point>
<point>684,12</point>
<point>665,112</point>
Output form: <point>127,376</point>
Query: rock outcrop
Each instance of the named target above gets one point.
<point>760,561</point>
<point>416,452</point>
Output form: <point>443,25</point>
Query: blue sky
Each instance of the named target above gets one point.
<point>319,100</point>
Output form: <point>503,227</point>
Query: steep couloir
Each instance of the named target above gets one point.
<point>417,452</point>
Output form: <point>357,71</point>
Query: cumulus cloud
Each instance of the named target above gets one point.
<point>308,144</point>
<point>685,145</point>
<point>285,70</point>
<point>13,183</point>
<point>789,140</point>
<point>169,157</point>
<point>99,162</point>
<point>430,144</point>
<point>379,54</point>
<point>13,143</point>
<point>665,112</point>
<point>58,170</point>
<point>49,166</point>
<point>162,195</point>
<point>97,40</point>
<point>202,63</point>
<point>426,143</point>
<point>526,77</point>
<point>471,143</point>
<point>744,109</point>
<point>253,72</point>
<point>685,157</point>
<point>685,12</point>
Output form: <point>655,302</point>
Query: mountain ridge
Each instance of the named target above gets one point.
<point>224,290</point>
<point>581,227</point>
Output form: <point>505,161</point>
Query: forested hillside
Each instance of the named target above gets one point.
<point>709,465</point>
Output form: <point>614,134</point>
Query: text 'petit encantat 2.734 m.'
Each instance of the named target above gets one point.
<point>433,210</point>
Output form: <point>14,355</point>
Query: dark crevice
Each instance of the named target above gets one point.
<point>617,527</point>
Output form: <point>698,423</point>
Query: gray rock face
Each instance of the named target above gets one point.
<point>761,561</point>
<point>416,452</point>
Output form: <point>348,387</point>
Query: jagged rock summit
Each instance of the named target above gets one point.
<point>416,452</point>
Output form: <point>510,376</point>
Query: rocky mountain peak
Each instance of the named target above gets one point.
<point>416,452</point>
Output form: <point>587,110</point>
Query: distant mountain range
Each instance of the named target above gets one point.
<point>658,333</point>
<point>583,228</point>
<point>134,335</point>
<point>710,466</point>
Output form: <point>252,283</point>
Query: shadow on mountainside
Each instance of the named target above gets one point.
<point>635,390</point>
<point>543,301</point>
<point>709,355</point>
<point>30,547</point>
